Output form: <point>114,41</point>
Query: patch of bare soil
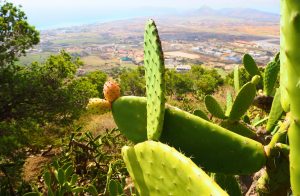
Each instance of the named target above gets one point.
<point>34,164</point>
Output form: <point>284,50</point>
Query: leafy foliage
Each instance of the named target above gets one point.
<point>40,95</point>
<point>244,77</point>
<point>16,35</point>
<point>198,80</point>
<point>97,78</point>
<point>47,92</point>
<point>88,164</point>
<point>132,81</point>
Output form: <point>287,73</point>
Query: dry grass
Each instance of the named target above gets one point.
<point>221,94</point>
<point>96,124</point>
<point>35,164</point>
<point>182,54</point>
<point>92,60</point>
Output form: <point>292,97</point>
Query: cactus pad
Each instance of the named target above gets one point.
<point>158,169</point>
<point>228,103</point>
<point>214,107</point>
<point>228,183</point>
<point>236,78</point>
<point>214,148</point>
<point>131,122</point>
<point>275,113</point>
<point>270,77</point>
<point>284,97</point>
<point>250,65</point>
<point>255,79</point>
<point>155,81</point>
<point>201,114</point>
<point>239,128</point>
<point>243,101</point>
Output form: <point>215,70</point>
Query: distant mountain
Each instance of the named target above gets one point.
<point>240,13</point>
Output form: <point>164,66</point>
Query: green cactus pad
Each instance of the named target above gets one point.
<point>155,81</point>
<point>243,101</point>
<point>250,65</point>
<point>270,77</point>
<point>239,128</point>
<point>130,115</point>
<point>201,114</point>
<point>212,147</point>
<point>275,113</point>
<point>229,103</point>
<point>228,183</point>
<point>158,169</point>
<point>255,79</point>
<point>214,107</point>
<point>290,65</point>
<point>236,78</point>
<point>284,97</point>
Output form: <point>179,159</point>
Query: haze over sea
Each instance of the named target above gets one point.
<point>48,14</point>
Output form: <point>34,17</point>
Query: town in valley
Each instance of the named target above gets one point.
<point>206,37</point>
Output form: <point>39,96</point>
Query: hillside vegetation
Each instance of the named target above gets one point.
<point>66,130</point>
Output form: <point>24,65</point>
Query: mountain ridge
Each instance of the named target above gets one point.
<point>241,13</point>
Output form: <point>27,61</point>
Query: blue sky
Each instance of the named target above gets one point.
<point>54,13</point>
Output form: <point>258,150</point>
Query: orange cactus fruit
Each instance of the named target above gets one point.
<point>111,91</point>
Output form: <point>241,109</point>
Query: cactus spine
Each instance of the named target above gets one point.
<point>290,71</point>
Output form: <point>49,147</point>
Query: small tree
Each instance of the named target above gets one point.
<point>97,78</point>
<point>16,35</point>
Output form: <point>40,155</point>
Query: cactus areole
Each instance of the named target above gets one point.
<point>290,81</point>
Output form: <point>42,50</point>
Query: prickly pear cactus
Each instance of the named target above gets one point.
<point>214,148</point>
<point>243,101</point>
<point>270,77</point>
<point>250,65</point>
<point>155,81</point>
<point>214,107</point>
<point>290,81</point>
<point>158,169</point>
<point>275,113</point>
<point>201,114</point>
<point>229,103</point>
<point>236,78</point>
<point>239,128</point>
<point>228,183</point>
